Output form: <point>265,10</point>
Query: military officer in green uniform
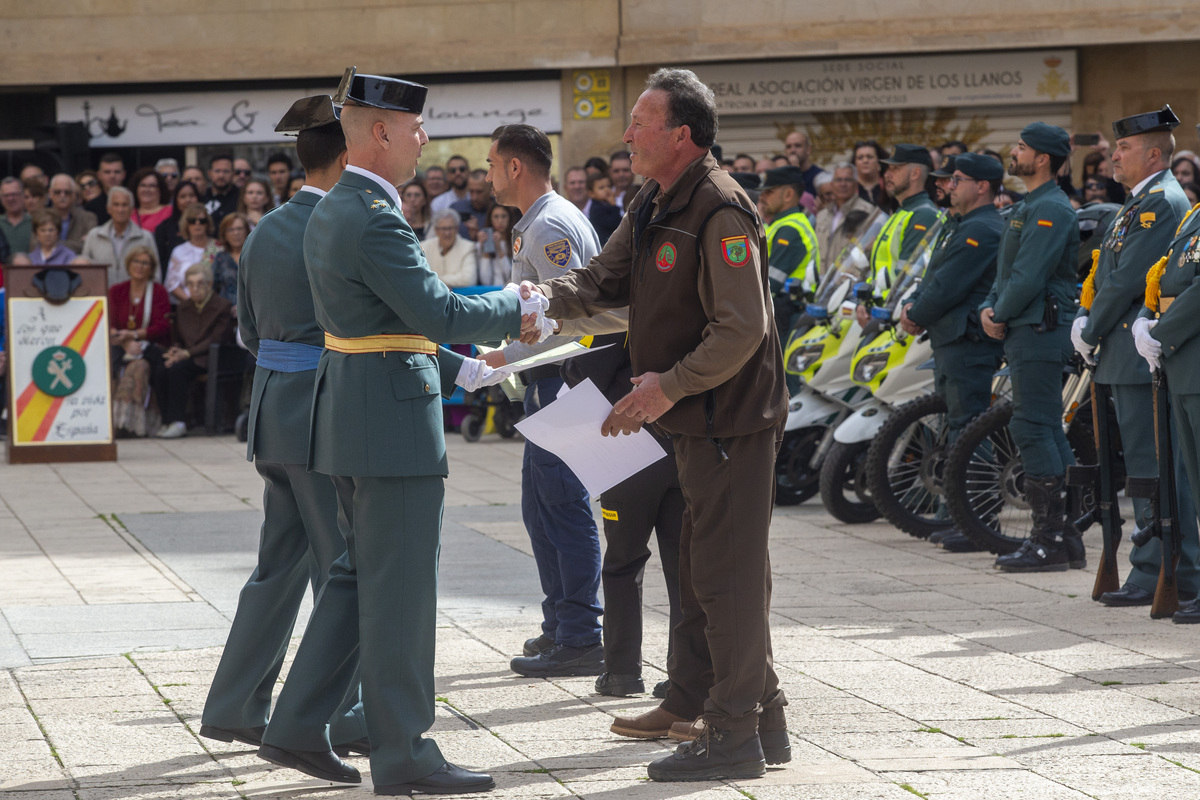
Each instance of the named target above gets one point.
<point>960,275</point>
<point>1030,308</point>
<point>300,526</point>
<point>1167,335</point>
<point>907,172</point>
<point>792,251</point>
<point>1139,235</point>
<point>377,429</point>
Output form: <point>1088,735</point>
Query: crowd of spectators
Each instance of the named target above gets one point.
<point>186,227</point>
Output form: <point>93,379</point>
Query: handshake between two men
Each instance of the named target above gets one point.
<point>645,403</point>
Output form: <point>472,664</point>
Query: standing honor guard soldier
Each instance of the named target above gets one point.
<point>959,277</point>
<point>377,429</point>
<point>300,527</point>
<point>1030,308</point>
<point>1167,335</point>
<point>1141,232</point>
<point>708,370</point>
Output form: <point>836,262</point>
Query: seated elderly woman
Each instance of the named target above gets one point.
<point>202,319</point>
<point>451,256</point>
<point>139,333</point>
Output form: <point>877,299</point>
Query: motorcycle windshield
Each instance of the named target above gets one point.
<point>912,271</point>
<point>852,263</point>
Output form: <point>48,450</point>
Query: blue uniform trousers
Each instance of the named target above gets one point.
<point>299,541</point>
<point>1035,362</point>
<point>566,543</point>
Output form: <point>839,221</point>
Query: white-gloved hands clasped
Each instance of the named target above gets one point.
<point>1147,346</point>
<point>537,304</point>
<point>474,374</point>
<point>1083,348</point>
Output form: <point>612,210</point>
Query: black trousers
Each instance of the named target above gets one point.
<point>650,501</point>
<point>171,385</point>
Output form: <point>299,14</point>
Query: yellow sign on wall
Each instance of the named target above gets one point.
<point>593,93</point>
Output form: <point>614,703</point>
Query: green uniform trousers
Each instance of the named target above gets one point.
<point>378,609</point>
<point>963,372</point>
<point>1135,416</point>
<point>721,662</point>
<point>300,539</point>
<point>1035,363</point>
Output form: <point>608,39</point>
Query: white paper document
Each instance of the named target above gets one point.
<point>552,356</point>
<point>570,428</point>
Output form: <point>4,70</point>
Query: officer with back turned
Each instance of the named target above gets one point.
<point>300,526</point>
<point>1167,335</point>
<point>1030,308</point>
<point>1139,235</point>
<point>960,274</point>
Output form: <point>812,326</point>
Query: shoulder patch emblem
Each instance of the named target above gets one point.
<point>918,227</point>
<point>664,259</point>
<point>1045,223</point>
<point>783,242</point>
<point>1147,219</point>
<point>735,250</point>
<point>516,245</point>
<point>972,242</point>
<point>559,253</point>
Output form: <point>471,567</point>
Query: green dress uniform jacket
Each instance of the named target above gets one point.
<point>959,277</point>
<point>898,239</point>
<point>1140,234</point>
<point>1178,327</point>
<point>275,302</point>
<point>379,414</point>
<point>1036,258</point>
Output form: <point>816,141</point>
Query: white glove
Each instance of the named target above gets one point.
<point>1147,346</point>
<point>536,304</point>
<point>1083,348</point>
<point>474,374</point>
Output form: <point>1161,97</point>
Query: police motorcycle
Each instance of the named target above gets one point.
<point>820,350</point>
<point>896,368</point>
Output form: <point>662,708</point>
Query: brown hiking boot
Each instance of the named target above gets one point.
<point>654,724</point>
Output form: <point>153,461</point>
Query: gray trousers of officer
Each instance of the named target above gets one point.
<point>721,662</point>
<point>1135,417</point>
<point>299,541</point>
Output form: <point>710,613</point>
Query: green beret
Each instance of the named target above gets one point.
<point>979,166</point>
<point>1049,139</point>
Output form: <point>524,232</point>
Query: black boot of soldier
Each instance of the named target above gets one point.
<point>1072,536</point>
<point>716,753</point>
<point>1045,550</point>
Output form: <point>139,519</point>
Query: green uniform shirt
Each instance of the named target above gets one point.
<point>1139,235</point>
<point>959,276</point>
<point>1178,327</point>
<point>899,238</point>
<point>1036,257</point>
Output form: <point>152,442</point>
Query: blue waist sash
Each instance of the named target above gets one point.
<point>287,356</point>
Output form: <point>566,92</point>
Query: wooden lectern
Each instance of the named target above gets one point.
<point>69,342</point>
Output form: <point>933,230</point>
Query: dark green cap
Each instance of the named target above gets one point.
<point>946,169</point>
<point>910,154</point>
<point>979,166</point>
<point>1049,139</point>
<point>784,176</point>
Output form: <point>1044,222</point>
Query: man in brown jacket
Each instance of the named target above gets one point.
<point>689,260</point>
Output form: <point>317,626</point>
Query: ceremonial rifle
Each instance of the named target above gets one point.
<point>1165,528</point>
<point>1099,477</point>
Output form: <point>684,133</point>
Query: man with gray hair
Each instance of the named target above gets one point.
<point>841,220</point>
<point>108,243</point>
<point>689,259</point>
<point>76,221</point>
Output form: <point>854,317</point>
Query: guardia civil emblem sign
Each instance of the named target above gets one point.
<point>665,258</point>
<point>59,371</point>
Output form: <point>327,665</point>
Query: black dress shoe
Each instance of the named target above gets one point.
<point>1188,613</point>
<point>714,754</point>
<point>939,536</point>
<point>447,779</point>
<point>1127,595</point>
<point>326,766</point>
<point>251,736</point>
<point>959,543</point>
<point>537,646</point>
<point>359,747</point>
<point>660,689</point>
<point>561,661</point>
<point>611,684</point>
